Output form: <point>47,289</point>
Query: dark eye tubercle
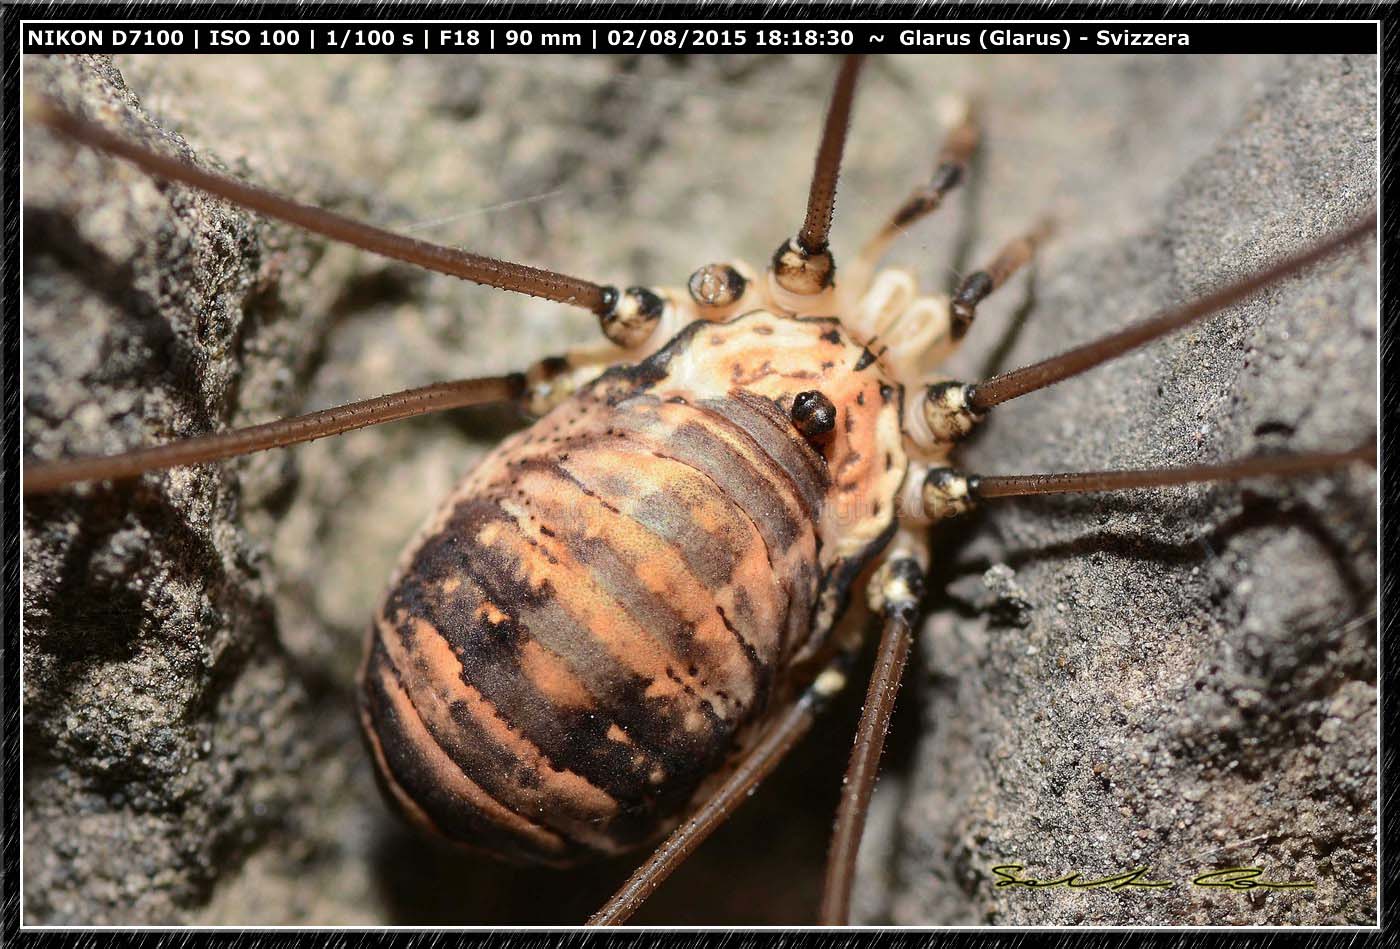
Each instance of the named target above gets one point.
<point>813,415</point>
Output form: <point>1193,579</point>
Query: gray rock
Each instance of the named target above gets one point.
<point>1163,692</point>
<point>1147,679</point>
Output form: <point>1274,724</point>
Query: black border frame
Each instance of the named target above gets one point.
<point>10,17</point>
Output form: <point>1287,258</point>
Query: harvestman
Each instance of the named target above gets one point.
<point>800,282</point>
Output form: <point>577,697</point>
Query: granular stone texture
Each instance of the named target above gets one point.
<point>1183,680</point>
<point>1180,680</point>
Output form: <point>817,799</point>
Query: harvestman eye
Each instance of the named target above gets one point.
<point>813,414</point>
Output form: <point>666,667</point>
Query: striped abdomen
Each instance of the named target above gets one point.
<point>574,643</point>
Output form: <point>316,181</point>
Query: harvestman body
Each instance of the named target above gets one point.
<point>626,613</point>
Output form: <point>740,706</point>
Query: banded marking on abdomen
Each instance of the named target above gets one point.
<point>506,764</point>
<point>732,443</point>
<point>698,438</point>
<point>427,785</point>
<point>772,433</point>
<point>725,452</point>
<point>483,742</point>
<point>583,632</point>
<point>716,542</point>
<point>651,581</point>
<point>538,693</point>
<point>620,661</point>
<point>482,549</point>
<point>734,465</point>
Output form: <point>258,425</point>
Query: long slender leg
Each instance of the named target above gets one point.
<point>1009,385</point>
<point>756,765</point>
<point>42,477</point>
<point>803,266</point>
<point>1084,482</point>
<point>502,274</point>
<point>946,492</point>
<point>949,410</point>
<point>821,197</point>
<point>543,386</point>
<point>901,590</point>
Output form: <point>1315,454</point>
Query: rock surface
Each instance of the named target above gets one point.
<point>1184,679</point>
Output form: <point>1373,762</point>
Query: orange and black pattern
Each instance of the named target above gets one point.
<point>573,644</point>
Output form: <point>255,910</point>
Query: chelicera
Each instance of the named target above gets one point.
<point>886,329</point>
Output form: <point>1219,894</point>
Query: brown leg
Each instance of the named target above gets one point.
<point>45,476</point>
<point>803,265</point>
<point>488,271</point>
<point>757,764</point>
<point>952,409</point>
<point>821,197</point>
<point>1083,482</point>
<point>979,284</point>
<point>947,492</point>
<point>1009,385</point>
<point>901,594</point>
